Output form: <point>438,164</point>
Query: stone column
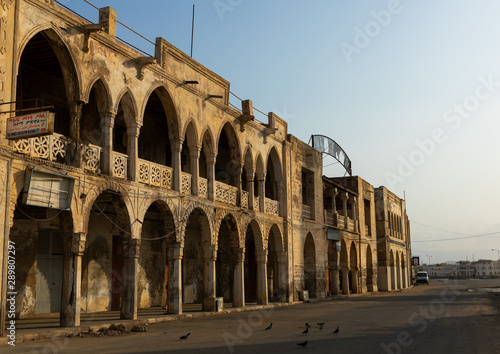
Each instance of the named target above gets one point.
<point>195,169</point>
<point>262,190</point>
<point>75,110</point>
<point>239,279</point>
<point>176,164</point>
<point>282,274</point>
<point>250,187</point>
<point>107,124</point>
<point>211,175</point>
<point>334,204</point>
<point>353,212</point>
<point>129,290</point>
<point>334,279</point>
<point>175,253</point>
<point>343,197</point>
<point>73,248</point>
<point>345,280</point>
<point>355,280</point>
<point>132,150</point>
<point>209,258</point>
<point>261,258</point>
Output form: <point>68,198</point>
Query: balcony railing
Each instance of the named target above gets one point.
<point>202,187</point>
<point>306,212</point>
<point>225,193</point>
<point>350,225</point>
<point>154,174</point>
<point>48,147</point>
<point>341,221</point>
<point>185,183</point>
<point>271,206</point>
<point>91,157</point>
<point>119,165</point>
<point>256,203</point>
<point>330,218</point>
<point>244,199</point>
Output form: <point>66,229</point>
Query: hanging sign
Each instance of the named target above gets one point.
<point>29,125</point>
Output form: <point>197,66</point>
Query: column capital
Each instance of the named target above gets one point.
<point>282,257</point>
<point>177,145</point>
<point>74,243</point>
<point>131,247</point>
<point>210,253</point>
<point>194,152</point>
<point>175,251</point>
<point>261,256</point>
<point>134,130</point>
<point>344,196</point>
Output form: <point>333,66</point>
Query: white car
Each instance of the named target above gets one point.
<point>422,277</point>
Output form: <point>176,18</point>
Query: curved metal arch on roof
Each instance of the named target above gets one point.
<point>328,146</point>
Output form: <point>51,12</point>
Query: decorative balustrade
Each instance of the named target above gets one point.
<point>119,165</point>
<point>202,187</point>
<point>154,174</point>
<point>91,157</point>
<point>271,206</point>
<point>48,147</point>
<point>225,193</point>
<point>256,203</point>
<point>244,199</point>
<point>340,221</point>
<point>350,224</point>
<point>185,183</point>
<point>306,212</point>
<point>330,218</point>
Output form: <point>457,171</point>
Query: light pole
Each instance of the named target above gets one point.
<point>429,257</point>
<point>498,253</point>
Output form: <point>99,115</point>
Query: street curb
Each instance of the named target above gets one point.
<point>74,331</point>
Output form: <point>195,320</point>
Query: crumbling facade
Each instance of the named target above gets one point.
<point>393,241</point>
<point>153,191</point>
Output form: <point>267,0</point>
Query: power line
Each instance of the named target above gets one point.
<point>460,238</point>
<point>435,228</point>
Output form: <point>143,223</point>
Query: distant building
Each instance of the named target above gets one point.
<point>441,271</point>
<point>481,268</point>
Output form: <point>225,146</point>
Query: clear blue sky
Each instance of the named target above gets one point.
<point>382,78</point>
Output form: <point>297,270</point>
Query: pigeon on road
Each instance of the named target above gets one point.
<point>336,331</point>
<point>303,344</point>
<point>306,331</point>
<point>185,336</point>
<point>269,327</point>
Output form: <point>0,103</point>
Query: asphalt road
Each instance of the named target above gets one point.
<point>443,317</point>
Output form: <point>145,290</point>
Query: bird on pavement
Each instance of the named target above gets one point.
<point>321,324</point>
<point>303,344</point>
<point>336,331</point>
<point>185,336</point>
<point>269,327</point>
<point>306,331</point>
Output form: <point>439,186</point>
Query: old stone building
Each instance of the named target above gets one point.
<point>153,191</point>
<point>393,241</point>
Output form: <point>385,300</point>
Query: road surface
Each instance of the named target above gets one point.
<point>443,317</point>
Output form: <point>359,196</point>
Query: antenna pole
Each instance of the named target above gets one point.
<point>192,33</point>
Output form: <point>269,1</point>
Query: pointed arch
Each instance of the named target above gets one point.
<point>207,142</point>
<point>190,134</point>
<point>276,162</point>
<point>168,106</point>
<point>64,54</point>
<point>129,106</point>
<point>103,93</point>
<point>207,222</point>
